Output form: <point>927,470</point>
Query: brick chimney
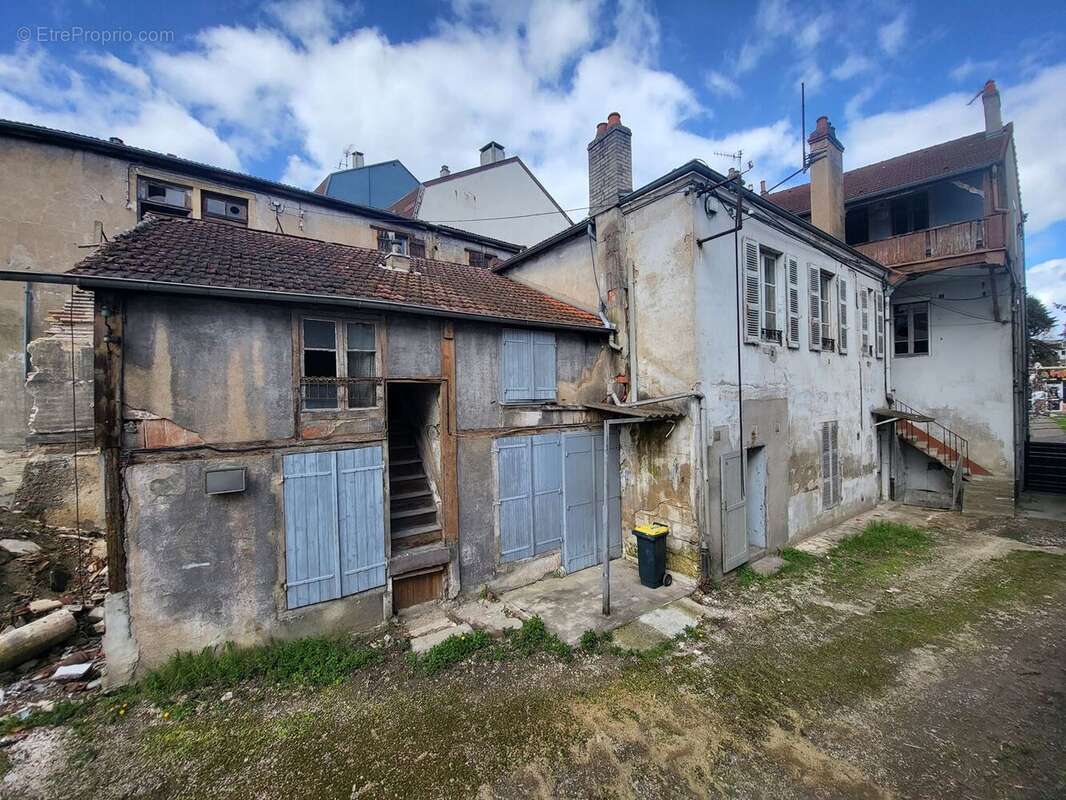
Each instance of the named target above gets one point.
<point>610,163</point>
<point>993,116</point>
<point>827,179</point>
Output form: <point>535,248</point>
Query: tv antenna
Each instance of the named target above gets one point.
<point>738,156</point>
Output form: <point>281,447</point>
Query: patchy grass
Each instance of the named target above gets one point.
<point>315,661</point>
<point>797,563</point>
<point>64,711</point>
<point>451,651</point>
<point>533,637</point>
<point>883,551</point>
<point>864,655</point>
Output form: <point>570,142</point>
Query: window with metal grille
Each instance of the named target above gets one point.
<point>476,258</point>
<point>910,325</point>
<point>330,382</point>
<point>163,198</point>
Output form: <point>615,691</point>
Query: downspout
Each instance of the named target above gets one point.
<point>631,329</point>
<point>26,327</point>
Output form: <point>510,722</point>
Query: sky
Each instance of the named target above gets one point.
<point>280,88</point>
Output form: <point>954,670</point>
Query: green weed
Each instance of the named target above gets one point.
<point>533,637</point>
<point>451,651</point>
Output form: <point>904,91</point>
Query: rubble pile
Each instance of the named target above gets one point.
<point>52,587</point>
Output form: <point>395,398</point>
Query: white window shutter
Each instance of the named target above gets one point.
<point>752,292</point>
<point>827,467</point>
<point>834,455</point>
<point>865,311</point>
<point>879,323</point>
<point>842,323</point>
<point>543,365</point>
<point>793,302</point>
<point>814,289</point>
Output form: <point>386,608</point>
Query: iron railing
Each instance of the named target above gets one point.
<point>325,394</point>
<point>937,440</point>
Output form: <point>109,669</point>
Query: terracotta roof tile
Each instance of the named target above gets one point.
<point>219,255</point>
<point>970,152</point>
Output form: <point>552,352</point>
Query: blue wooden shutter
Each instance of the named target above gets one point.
<point>543,366</point>
<point>312,572</point>
<point>614,496</point>
<point>579,475</point>
<point>514,469</point>
<point>516,365</point>
<point>361,501</point>
<point>547,492</point>
<point>814,291</point>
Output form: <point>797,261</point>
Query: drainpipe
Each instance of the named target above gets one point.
<point>631,329</point>
<point>26,314</point>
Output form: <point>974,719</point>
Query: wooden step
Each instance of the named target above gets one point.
<point>413,512</point>
<point>416,530</point>
<point>414,476</point>
<point>410,495</point>
<point>419,558</point>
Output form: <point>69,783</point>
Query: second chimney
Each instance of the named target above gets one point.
<point>827,179</point>
<point>491,153</point>
<point>610,163</point>
<point>993,115</point>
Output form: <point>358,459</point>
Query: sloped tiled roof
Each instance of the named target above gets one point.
<point>201,253</point>
<point>948,158</point>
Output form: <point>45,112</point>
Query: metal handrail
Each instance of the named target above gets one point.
<point>952,449</point>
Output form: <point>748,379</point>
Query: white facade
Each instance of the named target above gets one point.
<point>502,200</point>
<point>683,331</point>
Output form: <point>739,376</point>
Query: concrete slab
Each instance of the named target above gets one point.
<point>487,616</point>
<point>421,644</point>
<point>572,604</point>
<point>1037,505</point>
<point>768,565</point>
<point>660,624</point>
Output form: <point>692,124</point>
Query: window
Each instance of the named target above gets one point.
<point>401,242</point>
<point>162,198</point>
<point>476,258</point>
<point>828,340</point>
<point>329,382</point>
<point>527,365</point>
<point>770,330</point>
<point>909,213</point>
<point>831,480</point>
<point>857,225</point>
<point>910,324</point>
<point>223,207</point>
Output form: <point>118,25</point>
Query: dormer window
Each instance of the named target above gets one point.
<point>400,243</point>
<point>162,198</point>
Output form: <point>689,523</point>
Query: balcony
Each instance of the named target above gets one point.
<point>944,241</point>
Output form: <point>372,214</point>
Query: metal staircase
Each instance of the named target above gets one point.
<point>939,443</point>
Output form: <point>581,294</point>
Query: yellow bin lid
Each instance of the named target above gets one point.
<point>655,529</point>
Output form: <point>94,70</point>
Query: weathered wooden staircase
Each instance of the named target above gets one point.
<point>419,553</point>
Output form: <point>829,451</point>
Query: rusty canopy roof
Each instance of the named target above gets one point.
<point>920,166</point>
<point>651,411</point>
<point>203,255</point>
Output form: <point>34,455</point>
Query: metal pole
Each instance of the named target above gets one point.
<point>606,534</point>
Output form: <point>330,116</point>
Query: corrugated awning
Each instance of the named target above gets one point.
<point>892,413</point>
<point>652,411</point>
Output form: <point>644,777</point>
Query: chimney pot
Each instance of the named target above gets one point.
<point>357,160</point>
<point>993,113</point>
<point>762,188</point>
<point>827,179</point>
<point>444,171</point>
<point>610,164</point>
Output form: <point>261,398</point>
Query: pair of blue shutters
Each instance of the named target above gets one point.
<point>551,494</point>
<point>334,524</point>
<point>527,369</point>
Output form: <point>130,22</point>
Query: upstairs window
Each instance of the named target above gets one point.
<point>162,198</point>
<point>828,339</point>
<point>771,331</point>
<point>223,207</point>
<point>388,241</point>
<point>330,381</point>
<point>910,324</point>
<point>909,213</point>
<point>527,366</point>
<point>857,225</point>
<point>476,258</point>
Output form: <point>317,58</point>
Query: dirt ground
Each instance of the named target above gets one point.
<point>935,668</point>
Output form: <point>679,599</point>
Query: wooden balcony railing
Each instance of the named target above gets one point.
<point>944,241</point>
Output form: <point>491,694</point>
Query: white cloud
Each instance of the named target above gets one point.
<point>310,20</point>
<point>891,35</point>
<point>720,84</point>
<point>1047,281</point>
<point>969,68</point>
<point>851,66</point>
